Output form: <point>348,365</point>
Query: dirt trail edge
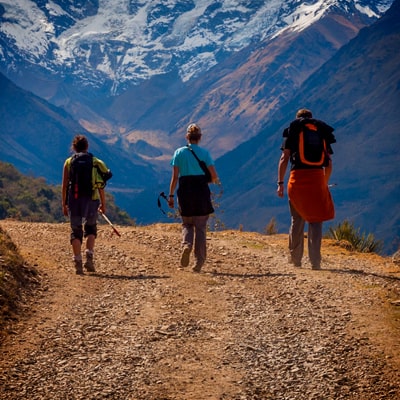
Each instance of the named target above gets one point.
<point>251,326</point>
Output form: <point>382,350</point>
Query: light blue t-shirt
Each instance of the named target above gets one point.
<point>186,161</point>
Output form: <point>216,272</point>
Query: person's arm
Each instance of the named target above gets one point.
<point>213,172</point>
<point>282,166</point>
<point>172,186</point>
<point>102,207</point>
<point>328,171</point>
<point>64,189</point>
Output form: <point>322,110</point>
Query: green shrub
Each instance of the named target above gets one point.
<point>360,242</point>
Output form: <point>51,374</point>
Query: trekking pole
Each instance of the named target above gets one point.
<point>110,223</point>
<point>162,194</point>
<point>174,215</point>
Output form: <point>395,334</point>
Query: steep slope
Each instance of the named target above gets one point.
<point>36,137</point>
<point>358,93</point>
<point>235,98</point>
<point>34,133</point>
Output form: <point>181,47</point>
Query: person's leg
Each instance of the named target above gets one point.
<point>200,244</point>
<point>76,248</point>
<point>90,241</point>
<point>76,242</point>
<point>89,253</point>
<point>296,237</point>
<point>187,240</point>
<point>314,244</point>
<point>90,234</point>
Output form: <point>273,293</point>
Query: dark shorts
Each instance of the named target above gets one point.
<point>83,217</point>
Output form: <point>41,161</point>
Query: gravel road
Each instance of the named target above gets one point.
<point>250,326</point>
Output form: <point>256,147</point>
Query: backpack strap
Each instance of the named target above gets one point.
<point>195,155</point>
<point>202,164</point>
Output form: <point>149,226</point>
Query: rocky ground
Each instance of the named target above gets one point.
<point>250,326</point>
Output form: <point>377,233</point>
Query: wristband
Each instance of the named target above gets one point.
<point>280,183</point>
<point>171,195</point>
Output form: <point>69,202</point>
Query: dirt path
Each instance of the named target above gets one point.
<point>250,326</point>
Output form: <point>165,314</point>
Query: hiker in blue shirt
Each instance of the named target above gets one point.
<point>194,196</point>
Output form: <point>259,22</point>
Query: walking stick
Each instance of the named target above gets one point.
<point>110,223</point>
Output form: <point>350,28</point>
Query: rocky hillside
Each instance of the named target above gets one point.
<point>250,326</point>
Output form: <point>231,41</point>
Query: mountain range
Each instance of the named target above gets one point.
<point>357,92</point>
<point>133,75</point>
<point>139,72</point>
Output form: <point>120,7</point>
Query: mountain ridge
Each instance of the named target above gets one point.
<point>146,34</point>
<point>138,152</point>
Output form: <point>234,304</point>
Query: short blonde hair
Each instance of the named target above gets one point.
<point>193,132</point>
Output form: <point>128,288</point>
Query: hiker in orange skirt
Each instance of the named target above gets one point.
<point>307,145</point>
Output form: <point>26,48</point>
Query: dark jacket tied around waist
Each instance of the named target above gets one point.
<point>194,196</point>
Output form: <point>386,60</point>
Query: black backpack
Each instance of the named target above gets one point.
<point>80,175</point>
<point>312,145</point>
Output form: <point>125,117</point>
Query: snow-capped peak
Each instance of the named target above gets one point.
<point>121,41</point>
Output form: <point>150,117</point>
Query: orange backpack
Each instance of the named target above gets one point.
<point>312,146</point>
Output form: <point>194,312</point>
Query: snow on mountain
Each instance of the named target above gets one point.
<point>308,13</point>
<point>111,43</point>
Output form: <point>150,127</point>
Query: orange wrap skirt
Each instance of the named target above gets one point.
<point>310,196</point>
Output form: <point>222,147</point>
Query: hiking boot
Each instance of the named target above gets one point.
<point>89,263</point>
<point>295,263</point>
<point>78,267</point>
<point>197,268</point>
<point>316,267</point>
<point>185,257</point>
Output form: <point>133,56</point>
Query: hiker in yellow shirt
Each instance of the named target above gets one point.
<point>83,181</point>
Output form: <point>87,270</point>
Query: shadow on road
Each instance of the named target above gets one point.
<point>361,273</point>
<point>250,276</point>
<point>129,277</point>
